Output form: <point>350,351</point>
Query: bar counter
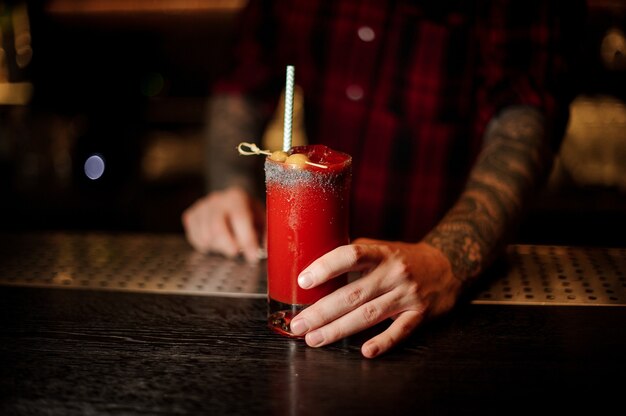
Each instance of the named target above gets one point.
<point>125,324</point>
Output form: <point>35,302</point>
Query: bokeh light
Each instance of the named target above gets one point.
<point>94,167</point>
<point>613,50</point>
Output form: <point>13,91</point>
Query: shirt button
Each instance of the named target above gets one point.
<point>354,92</point>
<point>366,33</point>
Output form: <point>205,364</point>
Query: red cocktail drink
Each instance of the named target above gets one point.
<point>307,216</point>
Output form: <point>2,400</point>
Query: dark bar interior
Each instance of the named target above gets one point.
<point>106,309</point>
<point>126,81</point>
<point>129,83</point>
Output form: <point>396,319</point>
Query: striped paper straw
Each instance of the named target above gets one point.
<point>288,108</point>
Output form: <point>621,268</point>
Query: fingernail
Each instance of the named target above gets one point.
<point>314,338</point>
<point>370,350</point>
<point>298,326</point>
<point>305,280</point>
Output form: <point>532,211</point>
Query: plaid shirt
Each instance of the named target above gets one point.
<point>405,87</point>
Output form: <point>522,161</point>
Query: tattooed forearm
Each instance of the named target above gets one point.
<point>515,158</point>
<point>231,120</point>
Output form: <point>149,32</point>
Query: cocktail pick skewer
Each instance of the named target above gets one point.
<point>254,149</point>
<point>249,149</point>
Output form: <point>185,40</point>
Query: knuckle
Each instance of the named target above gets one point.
<point>413,288</point>
<point>235,195</point>
<point>356,254</point>
<point>401,268</point>
<point>354,297</point>
<point>388,251</point>
<point>210,198</point>
<point>370,313</point>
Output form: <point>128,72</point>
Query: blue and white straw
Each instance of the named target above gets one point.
<point>288,108</point>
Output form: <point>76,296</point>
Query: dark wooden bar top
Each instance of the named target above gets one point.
<point>82,351</point>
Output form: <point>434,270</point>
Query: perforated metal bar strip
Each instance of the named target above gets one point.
<point>550,275</point>
<point>560,276</point>
<point>146,263</point>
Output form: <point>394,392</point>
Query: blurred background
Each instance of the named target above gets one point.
<point>102,112</point>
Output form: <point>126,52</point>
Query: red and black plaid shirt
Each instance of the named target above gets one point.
<point>405,87</point>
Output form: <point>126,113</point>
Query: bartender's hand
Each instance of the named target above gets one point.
<point>405,282</point>
<point>229,222</point>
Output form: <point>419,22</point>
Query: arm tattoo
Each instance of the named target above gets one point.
<point>232,119</point>
<point>514,159</point>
